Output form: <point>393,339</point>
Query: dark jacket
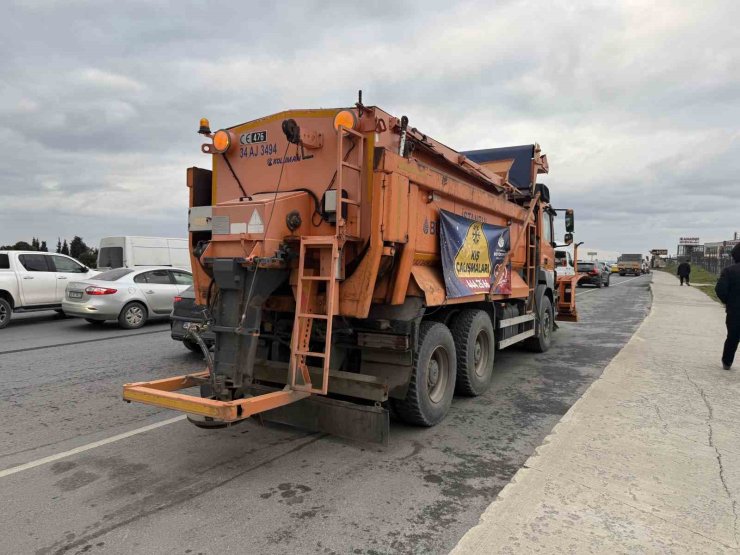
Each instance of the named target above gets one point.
<point>728,288</point>
<point>684,269</point>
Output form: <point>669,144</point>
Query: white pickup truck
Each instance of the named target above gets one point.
<point>31,280</point>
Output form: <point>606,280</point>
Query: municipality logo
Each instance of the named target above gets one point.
<point>501,241</point>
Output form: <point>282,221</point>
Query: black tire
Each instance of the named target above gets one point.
<point>6,312</point>
<point>621,274</point>
<point>540,343</point>
<point>93,322</point>
<point>608,279</point>
<point>191,345</point>
<point>475,345</point>
<point>432,383</point>
<point>133,316</point>
<point>60,313</point>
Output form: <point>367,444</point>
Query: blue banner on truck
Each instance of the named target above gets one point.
<point>472,253</point>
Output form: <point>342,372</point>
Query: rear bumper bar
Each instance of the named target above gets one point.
<point>164,393</point>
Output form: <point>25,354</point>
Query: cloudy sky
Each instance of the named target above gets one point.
<point>637,104</point>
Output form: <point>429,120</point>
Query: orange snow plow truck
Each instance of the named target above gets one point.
<point>350,266</point>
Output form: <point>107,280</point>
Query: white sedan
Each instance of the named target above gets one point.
<point>131,296</point>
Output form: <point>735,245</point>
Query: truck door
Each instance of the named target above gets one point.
<point>159,288</point>
<point>37,280</point>
<point>67,269</point>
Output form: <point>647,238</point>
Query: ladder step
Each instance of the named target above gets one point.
<point>318,240</point>
<point>350,201</point>
<point>310,354</point>
<point>309,315</point>
<point>315,278</point>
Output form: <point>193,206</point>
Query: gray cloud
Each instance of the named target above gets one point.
<point>636,105</point>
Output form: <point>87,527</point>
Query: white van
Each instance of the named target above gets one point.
<point>131,252</point>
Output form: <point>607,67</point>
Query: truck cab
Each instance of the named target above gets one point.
<point>31,280</point>
<point>564,263</point>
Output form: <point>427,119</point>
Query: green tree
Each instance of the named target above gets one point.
<point>43,247</point>
<point>19,246</point>
<point>35,244</point>
<point>77,247</point>
<point>59,245</point>
<point>65,248</point>
<point>89,258</point>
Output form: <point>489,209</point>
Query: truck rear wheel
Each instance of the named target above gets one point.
<point>432,384</point>
<point>475,346</point>
<point>5,312</point>
<point>540,343</point>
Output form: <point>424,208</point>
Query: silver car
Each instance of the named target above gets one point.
<point>131,296</point>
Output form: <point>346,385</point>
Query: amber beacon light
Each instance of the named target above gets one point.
<point>221,141</point>
<point>345,118</point>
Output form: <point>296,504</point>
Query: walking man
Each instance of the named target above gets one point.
<point>684,270</point>
<point>728,291</point>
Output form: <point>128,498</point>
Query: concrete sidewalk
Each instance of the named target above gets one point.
<point>647,461</point>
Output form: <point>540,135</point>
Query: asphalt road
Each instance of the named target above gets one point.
<point>251,489</point>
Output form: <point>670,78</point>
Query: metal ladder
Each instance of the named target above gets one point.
<point>306,311</point>
<point>531,264</point>
<point>328,249</point>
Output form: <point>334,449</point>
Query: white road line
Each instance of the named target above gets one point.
<point>83,448</point>
<point>596,289</point>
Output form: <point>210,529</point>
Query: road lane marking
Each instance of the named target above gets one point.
<point>616,284</point>
<point>83,448</point>
<point>80,342</point>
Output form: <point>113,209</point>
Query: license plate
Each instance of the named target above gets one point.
<point>75,294</point>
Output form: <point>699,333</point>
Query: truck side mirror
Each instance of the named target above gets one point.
<point>569,220</point>
<point>568,238</point>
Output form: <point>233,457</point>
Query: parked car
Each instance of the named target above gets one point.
<point>33,280</point>
<point>594,273</point>
<point>130,296</point>
<point>186,311</point>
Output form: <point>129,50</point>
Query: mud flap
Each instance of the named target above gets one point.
<point>316,413</point>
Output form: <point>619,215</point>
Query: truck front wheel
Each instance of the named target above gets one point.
<point>540,343</point>
<point>432,384</point>
<point>474,345</point>
<point>5,312</point>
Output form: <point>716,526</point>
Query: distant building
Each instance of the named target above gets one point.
<point>689,249</point>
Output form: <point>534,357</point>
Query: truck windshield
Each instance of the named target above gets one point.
<point>110,257</point>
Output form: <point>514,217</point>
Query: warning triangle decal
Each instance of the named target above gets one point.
<point>255,224</point>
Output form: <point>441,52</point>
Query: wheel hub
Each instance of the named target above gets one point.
<point>133,315</point>
<point>433,373</point>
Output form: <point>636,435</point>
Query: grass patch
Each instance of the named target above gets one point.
<point>698,275</point>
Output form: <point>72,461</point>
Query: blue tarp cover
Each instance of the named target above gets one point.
<point>520,175</point>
